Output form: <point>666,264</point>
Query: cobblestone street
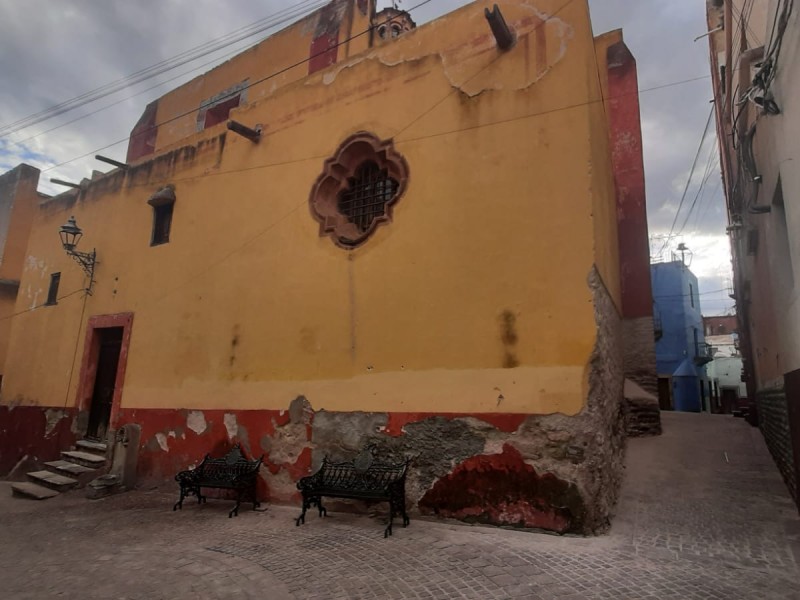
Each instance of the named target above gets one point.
<point>703,514</point>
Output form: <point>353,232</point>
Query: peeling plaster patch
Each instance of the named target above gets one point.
<point>466,65</point>
<point>52,416</point>
<point>196,421</point>
<point>34,264</point>
<point>172,434</point>
<point>231,425</point>
<point>162,441</point>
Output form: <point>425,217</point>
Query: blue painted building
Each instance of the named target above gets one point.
<point>681,351</point>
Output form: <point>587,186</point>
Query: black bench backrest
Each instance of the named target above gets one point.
<point>345,475</point>
<point>228,468</point>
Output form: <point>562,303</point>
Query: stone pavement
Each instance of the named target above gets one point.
<point>703,514</point>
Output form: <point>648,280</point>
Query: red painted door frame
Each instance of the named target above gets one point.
<point>91,352</point>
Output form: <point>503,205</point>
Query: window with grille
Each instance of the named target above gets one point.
<point>358,189</point>
<point>366,196</point>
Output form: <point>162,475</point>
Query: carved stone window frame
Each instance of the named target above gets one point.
<point>335,179</point>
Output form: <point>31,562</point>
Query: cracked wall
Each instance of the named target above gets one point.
<point>464,332</point>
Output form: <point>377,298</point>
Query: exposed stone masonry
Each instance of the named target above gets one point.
<point>774,421</point>
<point>555,472</point>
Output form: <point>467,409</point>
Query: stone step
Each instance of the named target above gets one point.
<point>90,446</point>
<point>64,467</point>
<point>33,491</point>
<point>86,459</point>
<point>60,483</point>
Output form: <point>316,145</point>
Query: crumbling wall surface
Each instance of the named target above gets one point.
<point>640,353</point>
<point>36,432</point>
<point>552,472</point>
<point>642,412</point>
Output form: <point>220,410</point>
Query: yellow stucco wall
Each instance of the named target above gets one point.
<point>605,206</point>
<point>21,206</point>
<point>268,66</point>
<point>248,307</point>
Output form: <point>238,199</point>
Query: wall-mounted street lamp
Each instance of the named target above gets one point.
<point>70,235</point>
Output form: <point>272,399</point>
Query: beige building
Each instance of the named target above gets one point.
<point>755,62</point>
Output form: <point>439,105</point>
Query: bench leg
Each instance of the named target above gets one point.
<point>179,503</point>
<point>235,511</point>
<point>388,531</point>
<point>302,517</point>
<point>323,512</point>
<point>253,494</point>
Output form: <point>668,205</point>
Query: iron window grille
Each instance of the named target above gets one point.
<point>358,189</point>
<point>365,199</point>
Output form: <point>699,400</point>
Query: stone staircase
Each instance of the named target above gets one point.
<point>76,468</point>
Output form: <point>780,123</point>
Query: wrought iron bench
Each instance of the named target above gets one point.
<point>361,479</point>
<point>231,472</point>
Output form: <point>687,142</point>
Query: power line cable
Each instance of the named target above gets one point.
<point>426,136</point>
<point>688,181</point>
<point>714,196</point>
<point>126,98</point>
<point>249,85</point>
<point>38,306</point>
<point>706,174</point>
<point>164,66</point>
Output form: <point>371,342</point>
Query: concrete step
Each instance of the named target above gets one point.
<point>59,483</point>
<point>64,467</point>
<point>83,474</point>
<point>86,459</point>
<point>90,446</point>
<point>32,490</point>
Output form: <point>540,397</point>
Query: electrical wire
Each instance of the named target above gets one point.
<point>440,133</point>
<point>38,306</point>
<point>185,57</point>
<point>418,138</point>
<point>249,85</point>
<point>713,150</point>
<point>688,181</point>
<point>126,98</point>
<point>701,213</point>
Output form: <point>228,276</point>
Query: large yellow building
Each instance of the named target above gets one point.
<point>418,250</point>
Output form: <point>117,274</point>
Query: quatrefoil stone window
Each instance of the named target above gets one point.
<point>358,189</point>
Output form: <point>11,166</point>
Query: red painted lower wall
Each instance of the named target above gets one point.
<point>479,485</point>
<point>33,431</point>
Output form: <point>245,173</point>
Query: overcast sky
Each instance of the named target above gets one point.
<point>55,50</point>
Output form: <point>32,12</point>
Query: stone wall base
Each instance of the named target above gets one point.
<point>773,417</point>
<point>640,353</point>
<point>642,413</point>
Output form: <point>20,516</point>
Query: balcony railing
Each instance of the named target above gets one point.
<point>704,353</point>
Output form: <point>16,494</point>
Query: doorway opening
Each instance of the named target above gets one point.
<point>103,373</point>
<point>110,340</point>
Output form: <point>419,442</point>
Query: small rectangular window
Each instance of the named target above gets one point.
<point>52,293</point>
<point>162,222</point>
<point>219,112</point>
<point>691,294</point>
